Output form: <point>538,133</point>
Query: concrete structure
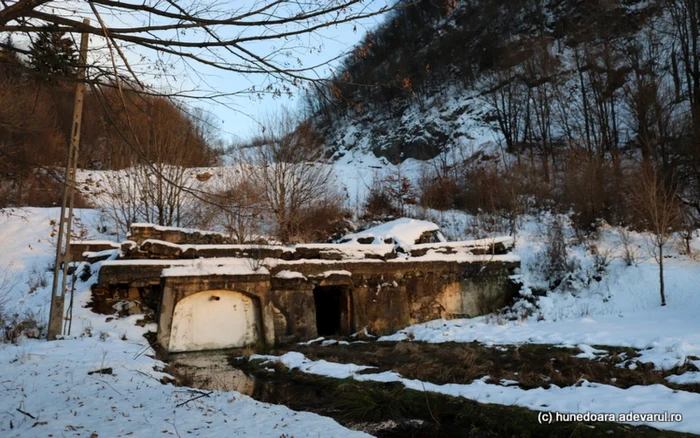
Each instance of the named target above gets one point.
<point>214,303</point>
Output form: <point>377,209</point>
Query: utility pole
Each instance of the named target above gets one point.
<point>65,223</point>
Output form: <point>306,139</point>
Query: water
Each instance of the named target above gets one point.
<point>211,371</point>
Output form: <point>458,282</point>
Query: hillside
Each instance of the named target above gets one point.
<point>442,70</point>
<point>567,106</point>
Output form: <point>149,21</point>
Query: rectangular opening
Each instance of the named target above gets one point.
<point>332,310</point>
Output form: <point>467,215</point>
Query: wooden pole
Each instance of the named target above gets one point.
<point>65,223</point>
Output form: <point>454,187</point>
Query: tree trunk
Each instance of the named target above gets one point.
<point>661,275</point>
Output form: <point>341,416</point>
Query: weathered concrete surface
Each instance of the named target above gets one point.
<point>212,320</point>
<point>496,246</point>
<point>380,296</point>
<point>79,247</point>
<point>141,232</point>
<point>387,296</point>
<point>161,250</point>
<point>176,289</point>
<point>305,289</point>
<point>152,249</point>
<point>130,272</point>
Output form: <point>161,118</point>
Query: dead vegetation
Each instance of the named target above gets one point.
<point>531,365</point>
<point>390,410</point>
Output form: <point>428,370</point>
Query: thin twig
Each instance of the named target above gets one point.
<point>427,402</point>
<point>201,394</point>
<point>26,413</point>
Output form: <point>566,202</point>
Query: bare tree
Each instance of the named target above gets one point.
<point>238,205</point>
<point>508,97</point>
<point>158,143</point>
<point>656,202</point>
<point>254,37</point>
<point>540,72</point>
<point>284,166</point>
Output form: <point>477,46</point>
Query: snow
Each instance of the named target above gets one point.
<point>94,242</point>
<point>271,263</point>
<point>217,266</point>
<point>290,274</point>
<point>112,253</point>
<point>666,337</point>
<point>404,232</point>
<point>688,378</point>
<point>461,258</point>
<point>327,274</point>
<point>50,380</point>
<point>622,309</point>
<point>146,262</point>
<point>295,360</point>
<point>176,229</point>
<point>350,250</point>
<point>242,247</point>
<point>587,397</point>
<point>507,241</point>
<point>588,352</point>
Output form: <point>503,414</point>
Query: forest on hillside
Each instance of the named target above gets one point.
<point>596,105</point>
<point>594,108</point>
<point>120,127</point>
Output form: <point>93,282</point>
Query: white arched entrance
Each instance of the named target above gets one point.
<point>213,319</point>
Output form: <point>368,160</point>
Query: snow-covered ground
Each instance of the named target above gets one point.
<point>623,309</point>
<point>45,388</point>
<point>586,398</point>
<point>50,381</point>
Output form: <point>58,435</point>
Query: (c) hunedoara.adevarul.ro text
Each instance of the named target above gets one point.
<point>636,417</point>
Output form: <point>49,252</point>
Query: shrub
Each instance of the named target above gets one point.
<point>592,189</point>
<point>325,222</point>
<point>18,327</point>
<point>554,262</point>
<point>379,205</point>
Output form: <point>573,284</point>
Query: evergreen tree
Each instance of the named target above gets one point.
<point>53,55</point>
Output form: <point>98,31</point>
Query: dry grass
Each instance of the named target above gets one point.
<point>531,365</point>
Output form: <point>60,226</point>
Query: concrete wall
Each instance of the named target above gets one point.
<point>213,320</point>
<point>257,314</point>
<point>380,296</point>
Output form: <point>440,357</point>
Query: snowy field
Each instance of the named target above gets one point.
<point>46,388</point>
<point>623,309</point>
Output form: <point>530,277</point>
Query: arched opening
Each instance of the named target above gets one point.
<point>213,320</point>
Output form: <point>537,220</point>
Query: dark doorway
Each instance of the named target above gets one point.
<point>332,310</point>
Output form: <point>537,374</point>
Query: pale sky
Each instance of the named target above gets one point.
<point>238,114</point>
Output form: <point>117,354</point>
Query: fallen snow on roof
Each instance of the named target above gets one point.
<point>350,250</point>
<point>270,263</point>
<point>216,266</point>
<point>127,401</point>
<point>145,262</point>
<point>182,230</point>
<point>95,242</point>
<point>103,253</point>
<point>461,258</point>
<point>289,275</point>
<point>507,241</point>
<point>243,247</point>
<point>405,232</point>
<point>327,274</point>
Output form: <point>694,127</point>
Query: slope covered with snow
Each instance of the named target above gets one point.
<point>50,388</point>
